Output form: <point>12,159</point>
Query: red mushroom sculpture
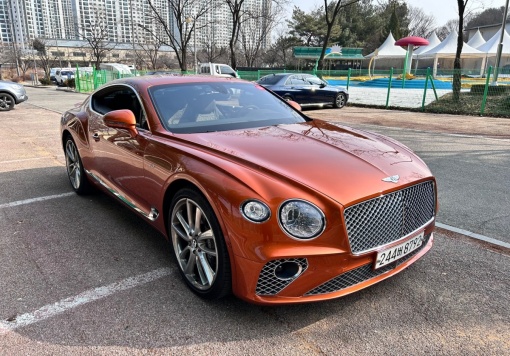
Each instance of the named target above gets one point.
<point>410,42</point>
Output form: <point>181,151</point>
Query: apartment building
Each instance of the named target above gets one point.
<point>122,20</point>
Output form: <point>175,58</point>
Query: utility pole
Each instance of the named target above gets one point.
<point>500,46</point>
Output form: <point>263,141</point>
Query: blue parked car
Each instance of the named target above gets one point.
<point>305,89</point>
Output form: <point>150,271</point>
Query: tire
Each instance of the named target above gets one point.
<point>287,97</point>
<point>340,100</point>
<point>75,171</point>
<point>201,253</point>
<point>6,102</point>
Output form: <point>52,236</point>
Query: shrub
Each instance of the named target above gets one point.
<point>70,83</point>
<point>45,81</point>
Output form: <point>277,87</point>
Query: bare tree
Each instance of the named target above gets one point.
<point>97,36</point>
<point>184,22</point>
<point>280,52</point>
<point>148,53</point>
<point>460,42</point>
<point>256,31</point>
<point>443,31</point>
<point>238,15</point>
<point>211,52</point>
<point>420,24</point>
<point>5,57</point>
<point>46,61</point>
<point>331,12</point>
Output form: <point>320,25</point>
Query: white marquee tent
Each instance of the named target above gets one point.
<point>448,49</point>
<point>490,48</point>
<point>388,49</point>
<point>433,42</point>
<point>477,40</point>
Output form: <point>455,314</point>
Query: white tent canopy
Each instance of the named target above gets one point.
<point>448,49</point>
<point>490,47</point>
<point>388,49</point>
<point>477,40</point>
<point>433,42</point>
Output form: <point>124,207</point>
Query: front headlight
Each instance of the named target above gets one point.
<point>301,219</point>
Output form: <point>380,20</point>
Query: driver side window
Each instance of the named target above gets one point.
<point>118,98</point>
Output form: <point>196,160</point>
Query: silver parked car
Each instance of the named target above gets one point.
<point>10,94</point>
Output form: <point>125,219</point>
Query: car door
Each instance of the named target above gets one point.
<point>296,87</point>
<point>321,93</point>
<point>118,154</point>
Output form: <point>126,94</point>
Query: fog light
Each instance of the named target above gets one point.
<point>255,211</point>
<point>288,270</point>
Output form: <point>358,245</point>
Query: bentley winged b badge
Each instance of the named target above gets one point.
<point>392,179</point>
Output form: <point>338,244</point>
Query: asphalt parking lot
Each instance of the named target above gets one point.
<point>84,275</point>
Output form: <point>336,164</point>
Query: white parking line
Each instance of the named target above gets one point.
<point>473,235</point>
<point>91,295</point>
<point>33,200</point>
<point>24,160</point>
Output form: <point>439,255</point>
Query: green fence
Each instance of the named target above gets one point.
<point>385,88</point>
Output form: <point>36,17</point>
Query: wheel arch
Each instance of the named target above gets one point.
<point>14,98</point>
<point>183,183</point>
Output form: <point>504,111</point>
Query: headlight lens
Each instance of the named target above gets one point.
<point>255,211</point>
<point>301,219</point>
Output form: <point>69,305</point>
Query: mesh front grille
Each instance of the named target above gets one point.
<point>386,219</point>
<point>269,284</point>
<point>361,274</point>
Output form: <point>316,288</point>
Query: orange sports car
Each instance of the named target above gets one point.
<point>256,198</point>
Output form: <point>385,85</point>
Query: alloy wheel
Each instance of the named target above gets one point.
<point>73,164</point>
<point>194,244</point>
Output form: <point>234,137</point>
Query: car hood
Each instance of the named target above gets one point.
<point>340,162</point>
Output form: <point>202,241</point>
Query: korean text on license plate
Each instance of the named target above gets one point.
<point>392,254</point>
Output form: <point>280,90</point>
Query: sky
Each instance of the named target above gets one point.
<point>442,10</point>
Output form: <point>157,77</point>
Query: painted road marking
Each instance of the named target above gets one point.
<point>89,296</point>
<point>34,200</point>
<point>473,235</point>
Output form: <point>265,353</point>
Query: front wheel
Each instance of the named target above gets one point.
<point>199,246</point>
<point>6,102</point>
<point>75,170</point>
<point>340,100</point>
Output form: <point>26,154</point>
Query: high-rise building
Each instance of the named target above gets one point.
<point>120,21</point>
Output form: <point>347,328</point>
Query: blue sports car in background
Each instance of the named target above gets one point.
<point>305,89</point>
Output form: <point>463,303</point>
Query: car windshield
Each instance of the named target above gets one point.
<point>219,106</point>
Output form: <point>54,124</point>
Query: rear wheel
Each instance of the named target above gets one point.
<point>340,100</point>
<point>6,102</point>
<point>199,246</point>
<point>75,170</point>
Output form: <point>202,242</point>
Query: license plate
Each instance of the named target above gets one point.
<point>392,254</point>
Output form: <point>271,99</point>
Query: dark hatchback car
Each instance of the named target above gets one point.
<point>306,89</point>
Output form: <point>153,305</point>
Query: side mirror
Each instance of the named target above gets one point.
<point>122,119</point>
<point>323,85</point>
<point>294,105</point>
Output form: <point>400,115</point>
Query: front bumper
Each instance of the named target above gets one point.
<point>323,277</point>
<point>21,98</point>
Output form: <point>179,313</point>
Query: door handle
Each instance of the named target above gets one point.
<point>95,136</point>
